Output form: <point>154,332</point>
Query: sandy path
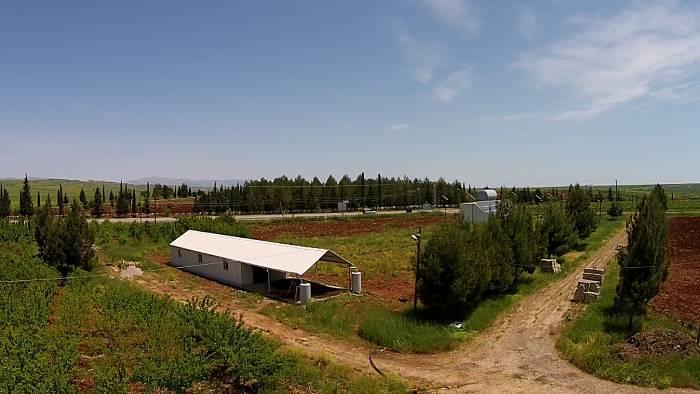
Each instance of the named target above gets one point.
<point>517,354</point>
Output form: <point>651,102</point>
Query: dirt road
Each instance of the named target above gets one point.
<point>517,354</point>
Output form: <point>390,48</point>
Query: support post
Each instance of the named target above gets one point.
<point>268,281</point>
<point>415,289</point>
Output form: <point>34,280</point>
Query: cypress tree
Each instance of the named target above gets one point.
<point>38,199</point>
<point>59,199</point>
<point>26,207</point>
<point>643,263</point>
<point>97,203</point>
<point>133,202</point>
<point>83,198</point>
<point>4,202</point>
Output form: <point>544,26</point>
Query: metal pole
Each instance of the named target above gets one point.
<point>268,281</point>
<point>415,290</point>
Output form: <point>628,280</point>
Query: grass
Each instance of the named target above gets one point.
<point>588,342</point>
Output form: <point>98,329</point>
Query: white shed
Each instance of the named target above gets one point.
<point>479,211</point>
<point>244,262</point>
<point>486,195</point>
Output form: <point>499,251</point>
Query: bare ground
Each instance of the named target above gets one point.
<point>517,354</point>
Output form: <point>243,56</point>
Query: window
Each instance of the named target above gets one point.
<point>225,265</point>
<point>179,253</point>
<point>199,258</point>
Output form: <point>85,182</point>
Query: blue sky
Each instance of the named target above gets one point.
<point>487,92</point>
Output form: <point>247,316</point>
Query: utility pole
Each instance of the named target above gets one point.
<point>417,238</point>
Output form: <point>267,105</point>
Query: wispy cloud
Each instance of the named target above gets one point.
<point>424,53</point>
<point>648,51</point>
<point>456,14</point>
<point>452,86</point>
<point>511,117</point>
<point>527,22</point>
<point>398,127</point>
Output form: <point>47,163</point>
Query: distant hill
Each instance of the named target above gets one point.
<point>204,183</point>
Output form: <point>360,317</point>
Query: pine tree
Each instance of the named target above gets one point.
<point>97,204</point>
<point>643,263</point>
<point>578,205</point>
<point>558,232</point>
<point>26,206</point>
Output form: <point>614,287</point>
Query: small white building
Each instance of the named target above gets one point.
<point>479,211</point>
<point>270,267</point>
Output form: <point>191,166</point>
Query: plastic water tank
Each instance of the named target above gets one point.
<point>305,293</point>
<point>356,282</point>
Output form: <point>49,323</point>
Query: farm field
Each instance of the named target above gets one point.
<point>679,296</point>
<point>49,187</point>
<point>389,277</point>
<point>97,334</point>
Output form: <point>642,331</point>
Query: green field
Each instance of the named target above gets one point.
<point>49,187</point>
<point>590,343</point>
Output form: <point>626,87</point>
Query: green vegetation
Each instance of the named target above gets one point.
<point>104,335</point>
<point>593,340</point>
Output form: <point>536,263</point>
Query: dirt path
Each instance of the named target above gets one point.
<point>517,354</point>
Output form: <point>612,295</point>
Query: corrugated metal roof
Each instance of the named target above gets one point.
<point>271,255</point>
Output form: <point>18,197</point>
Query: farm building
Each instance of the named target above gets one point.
<point>479,211</point>
<point>271,268</point>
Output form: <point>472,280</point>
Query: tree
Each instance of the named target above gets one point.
<point>557,229</point>
<point>26,207</point>
<point>59,200</point>
<point>643,263</point>
<point>502,271</point>
<point>448,284</point>
<point>519,225</point>
<point>133,202</point>
<point>147,199</point>
<point>615,209</point>
<point>70,242</point>
<point>610,194</point>
<point>97,204</point>
<point>111,198</point>
<point>578,205</point>
<point>83,198</point>
<point>42,224</point>
<point>4,202</point>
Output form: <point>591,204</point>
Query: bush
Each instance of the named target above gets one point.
<point>615,210</point>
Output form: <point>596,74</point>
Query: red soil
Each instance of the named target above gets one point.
<point>680,293</point>
<point>272,231</point>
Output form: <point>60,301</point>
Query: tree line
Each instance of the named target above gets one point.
<point>462,263</point>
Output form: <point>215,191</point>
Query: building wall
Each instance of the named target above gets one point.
<point>215,270</point>
<point>471,213</point>
<point>238,274</point>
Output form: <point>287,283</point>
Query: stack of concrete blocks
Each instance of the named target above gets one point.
<point>549,265</point>
<point>588,288</point>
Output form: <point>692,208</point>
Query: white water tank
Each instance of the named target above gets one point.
<point>486,195</point>
<point>305,293</point>
<point>356,282</point>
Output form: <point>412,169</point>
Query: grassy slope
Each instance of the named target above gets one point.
<point>352,318</point>
<point>588,342</point>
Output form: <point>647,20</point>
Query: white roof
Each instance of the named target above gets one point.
<point>280,257</point>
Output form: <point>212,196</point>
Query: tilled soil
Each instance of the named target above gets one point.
<point>311,228</point>
<point>679,296</point>
<point>517,354</point>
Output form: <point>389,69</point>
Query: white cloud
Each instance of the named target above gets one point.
<point>398,127</point>
<point>649,51</point>
<point>456,14</point>
<point>453,85</point>
<point>424,53</point>
<point>527,23</point>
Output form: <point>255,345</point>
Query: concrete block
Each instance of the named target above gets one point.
<point>596,277</point>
